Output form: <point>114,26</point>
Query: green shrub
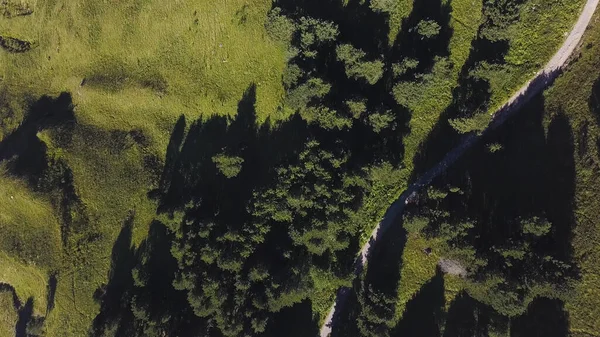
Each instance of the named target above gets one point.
<point>536,226</point>
<point>427,29</point>
<point>355,65</point>
<point>229,166</point>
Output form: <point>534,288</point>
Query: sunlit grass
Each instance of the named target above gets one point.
<point>8,315</point>
<point>29,228</point>
<point>28,281</point>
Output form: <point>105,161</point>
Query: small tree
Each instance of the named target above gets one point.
<point>356,66</point>
<point>427,29</point>
<point>229,166</point>
<point>536,226</point>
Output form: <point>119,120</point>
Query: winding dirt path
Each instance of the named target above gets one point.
<point>542,78</point>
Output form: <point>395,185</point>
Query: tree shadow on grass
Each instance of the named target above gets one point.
<point>139,298</point>
<point>295,321</point>
<point>51,292</point>
<point>468,318</point>
<point>471,96</point>
<point>26,152</point>
<point>192,174</point>
<point>423,314</point>
<point>358,24</point>
<point>114,296</point>
<point>544,318</point>
<point>25,316</point>
<point>410,44</point>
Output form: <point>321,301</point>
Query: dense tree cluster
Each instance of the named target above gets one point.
<point>249,214</point>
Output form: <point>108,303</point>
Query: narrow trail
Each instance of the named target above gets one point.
<point>541,79</point>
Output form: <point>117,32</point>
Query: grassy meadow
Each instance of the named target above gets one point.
<point>135,65</point>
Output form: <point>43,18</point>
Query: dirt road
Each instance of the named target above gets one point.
<point>529,90</point>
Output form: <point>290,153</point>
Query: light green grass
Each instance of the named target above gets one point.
<point>539,33</point>
<point>28,281</point>
<point>570,95</point>
<point>145,63</point>
<point>8,315</point>
<point>29,228</point>
<point>144,59</point>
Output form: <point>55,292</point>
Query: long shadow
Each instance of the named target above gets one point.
<point>423,314</point>
<point>28,324</point>
<point>51,292</point>
<point>466,318</point>
<point>115,295</point>
<point>295,321</point>
<point>410,44</point>
<point>544,318</point>
<point>560,187</point>
<point>532,175</point>
<point>194,175</point>
<point>26,151</point>
<point>368,302</point>
<point>145,304</point>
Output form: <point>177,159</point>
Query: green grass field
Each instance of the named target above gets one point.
<point>572,95</point>
<point>128,65</point>
<point>8,315</point>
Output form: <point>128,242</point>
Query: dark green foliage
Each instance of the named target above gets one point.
<point>376,313</point>
<point>279,26</point>
<point>317,213</point>
<point>498,16</point>
<point>427,29</point>
<point>355,65</point>
<point>405,65</point>
<point>313,34</point>
<point>311,91</point>
<point>380,121</point>
<point>229,166</point>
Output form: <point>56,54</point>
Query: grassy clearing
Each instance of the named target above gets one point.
<point>28,281</point>
<point>8,315</point>
<point>145,58</point>
<point>542,28</point>
<point>30,230</point>
<point>417,269</point>
<point>571,95</point>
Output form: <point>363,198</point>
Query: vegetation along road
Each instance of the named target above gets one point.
<point>529,90</point>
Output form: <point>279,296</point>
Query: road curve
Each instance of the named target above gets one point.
<point>542,78</point>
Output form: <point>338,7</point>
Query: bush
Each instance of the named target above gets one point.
<point>229,166</point>
<point>355,65</point>
<point>427,29</point>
